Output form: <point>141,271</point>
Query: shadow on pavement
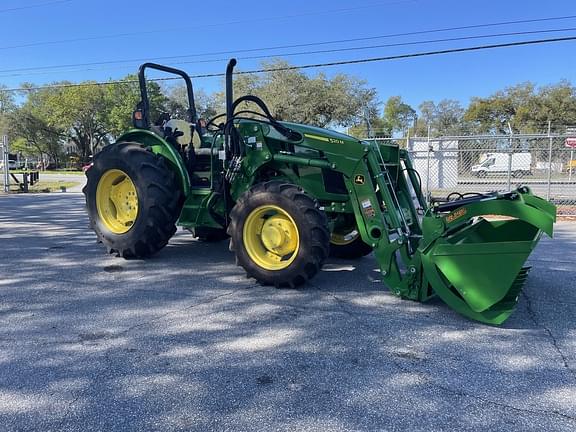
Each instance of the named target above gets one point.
<point>184,341</point>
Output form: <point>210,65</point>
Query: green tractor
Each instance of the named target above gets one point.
<point>288,195</point>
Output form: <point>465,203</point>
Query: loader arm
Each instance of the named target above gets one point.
<point>470,252</point>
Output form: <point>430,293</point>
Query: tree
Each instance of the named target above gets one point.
<point>320,101</point>
<point>80,111</point>
<point>556,103</point>
<point>525,108</point>
<point>32,135</point>
<point>207,106</point>
<point>121,100</point>
<point>371,126</point>
<point>7,106</point>
<point>398,116</point>
<point>444,118</point>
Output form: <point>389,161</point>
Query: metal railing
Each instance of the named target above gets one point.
<point>483,163</point>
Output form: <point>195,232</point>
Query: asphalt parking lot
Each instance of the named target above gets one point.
<point>184,341</point>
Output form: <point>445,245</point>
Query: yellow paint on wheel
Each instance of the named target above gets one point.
<point>344,237</point>
<point>271,237</point>
<point>117,201</point>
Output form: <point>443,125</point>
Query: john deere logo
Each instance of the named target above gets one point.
<point>359,179</point>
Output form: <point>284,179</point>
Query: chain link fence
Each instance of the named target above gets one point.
<point>485,163</point>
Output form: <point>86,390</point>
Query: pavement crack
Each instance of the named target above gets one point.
<point>192,306</point>
<point>106,356</point>
<point>553,340</point>
<point>395,360</point>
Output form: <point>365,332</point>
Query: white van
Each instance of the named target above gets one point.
<point>497,163</point>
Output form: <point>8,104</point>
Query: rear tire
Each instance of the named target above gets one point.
<point>133,200</point>
<point>293,239</point>
<point>352,249</point>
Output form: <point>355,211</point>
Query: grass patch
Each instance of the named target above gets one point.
<point>63,172</point>
<point>48,186</point>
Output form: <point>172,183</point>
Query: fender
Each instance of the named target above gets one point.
<point>160,147</point>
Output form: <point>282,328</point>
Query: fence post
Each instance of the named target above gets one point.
<point>428,168</point>
<point>571,159</point>
<point>5,158</point>
<point>549,160</point>
<point>510,154</point>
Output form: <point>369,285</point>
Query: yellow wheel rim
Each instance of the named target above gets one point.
<point>117,201</point>
<point>344,237</point>
<point>271,237</point>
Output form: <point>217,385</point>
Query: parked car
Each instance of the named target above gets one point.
<point>12,164</point>
<point>499,163</point>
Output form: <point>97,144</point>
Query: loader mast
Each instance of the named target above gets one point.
<point>387,208</point>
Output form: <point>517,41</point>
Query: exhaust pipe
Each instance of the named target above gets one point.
<point>229,89</point>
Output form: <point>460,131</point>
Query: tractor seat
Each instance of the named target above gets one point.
<point>185,128</point>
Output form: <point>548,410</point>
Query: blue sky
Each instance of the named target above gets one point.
<point>119,30</point>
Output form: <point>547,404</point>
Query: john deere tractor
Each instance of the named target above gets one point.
<point>288,195</point>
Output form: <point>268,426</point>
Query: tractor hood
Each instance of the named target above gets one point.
<point>319,133</point>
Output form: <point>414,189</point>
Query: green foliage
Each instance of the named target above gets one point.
<point>444,118</point>
<point>121,100</point>
<point>7,106</point>
<point>207,106</point>
<point>91,116</point>
<point>82,113</point>
<point>88,116</point>
<point>371,127</point>
<point>33,132</point>
<point>292,95</point>
<point>525,107</point>
<point>398,115</point>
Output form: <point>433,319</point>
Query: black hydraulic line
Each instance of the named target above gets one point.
<point>453,205</point>
<point>287,132</point>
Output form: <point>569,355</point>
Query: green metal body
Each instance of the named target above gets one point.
<point>475,265</point>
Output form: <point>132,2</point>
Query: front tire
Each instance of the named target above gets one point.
<point>278,234</point>
<point>133,200</point>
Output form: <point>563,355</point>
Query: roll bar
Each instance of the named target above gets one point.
<point>144,104</point>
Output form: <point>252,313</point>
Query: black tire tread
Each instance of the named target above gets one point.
<point>310,259</point>
<point>160,203</point>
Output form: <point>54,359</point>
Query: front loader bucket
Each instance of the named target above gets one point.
<point>473,258</point>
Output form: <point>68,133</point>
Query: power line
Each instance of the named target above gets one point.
<point>317,65</point>
<point>37,5</point>
<point>330,42</point>
<point>400,44</point>
<point>5,73</point>
<point>187,29</point>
